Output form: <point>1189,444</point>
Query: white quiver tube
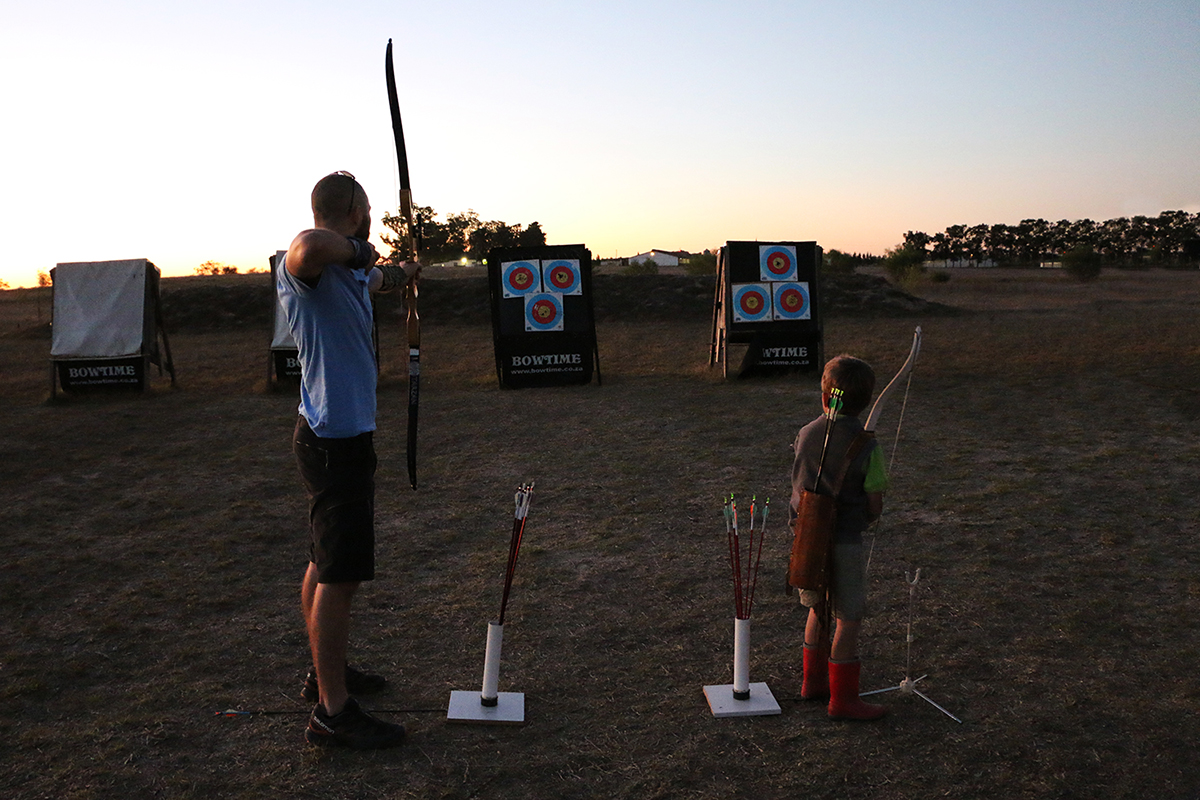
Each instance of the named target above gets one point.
<point>491,665</point>
<point>741,659</point>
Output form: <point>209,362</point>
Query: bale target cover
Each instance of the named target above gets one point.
<point>106,325</point>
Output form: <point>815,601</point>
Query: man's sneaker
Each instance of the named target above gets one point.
<point>357,682</point>
<point>353,728</point>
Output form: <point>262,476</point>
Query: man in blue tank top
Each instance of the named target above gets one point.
<point>324,285</point>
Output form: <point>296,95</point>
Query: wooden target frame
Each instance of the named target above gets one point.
<point>776,341</point>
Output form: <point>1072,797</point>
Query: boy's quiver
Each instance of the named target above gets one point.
<point>812,530</point>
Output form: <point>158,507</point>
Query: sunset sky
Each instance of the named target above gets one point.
<point>186,133</point>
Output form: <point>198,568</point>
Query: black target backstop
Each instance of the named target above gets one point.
<point>543,319</point>
<point>768,297</point>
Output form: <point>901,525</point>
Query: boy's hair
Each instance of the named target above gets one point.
<point>854,377</point>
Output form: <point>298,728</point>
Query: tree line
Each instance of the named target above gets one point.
<point>1119,241</point>
<point>838,262</point>
<point>1173,237</point>
<point>461,236</point>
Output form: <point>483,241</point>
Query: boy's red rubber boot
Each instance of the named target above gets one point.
<point>816,672</point>
<point>844,702</point>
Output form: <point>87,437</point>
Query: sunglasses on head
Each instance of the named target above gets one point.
<point>353,188</point>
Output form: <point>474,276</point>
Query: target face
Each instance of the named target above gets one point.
<point>520,278</point>
<point>777,262</point>
<point>751,302</point>
<point>543,312</point>
<point>562,276</point>
<point>791,301</point>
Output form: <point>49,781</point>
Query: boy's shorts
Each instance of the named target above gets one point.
<point>849,579</point>
<point>849,582</point>
<point>339,476</point>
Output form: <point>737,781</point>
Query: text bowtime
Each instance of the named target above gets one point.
<point>123,371</point>
<point>785,352</point>
<point>552,359</point>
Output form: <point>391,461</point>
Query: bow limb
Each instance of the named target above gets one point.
<point>406,203</point>
<point>410,291</point>
<point>894,383</point>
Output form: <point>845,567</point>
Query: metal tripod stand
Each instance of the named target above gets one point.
<point>909,685</point>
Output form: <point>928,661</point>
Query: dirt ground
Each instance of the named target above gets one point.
<point>1043,483</point>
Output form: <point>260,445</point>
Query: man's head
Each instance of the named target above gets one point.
<point>340,203</point>
<point>854,377</point>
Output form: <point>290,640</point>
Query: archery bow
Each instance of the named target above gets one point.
<point>904,373</point>
<point>893,384</point>
<point>410,290</point>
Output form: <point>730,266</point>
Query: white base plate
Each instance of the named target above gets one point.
<point>760,703</point>
<point>465,707</point>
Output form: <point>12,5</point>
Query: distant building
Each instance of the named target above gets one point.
<point>459,262</point>
<point>663,258</point>
<point>956,263</point>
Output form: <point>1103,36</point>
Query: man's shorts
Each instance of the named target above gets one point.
<point>339,476</point>
<point>849,583</point>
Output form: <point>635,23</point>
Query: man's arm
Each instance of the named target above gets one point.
<point>386,277</point>
<point>313,250</point>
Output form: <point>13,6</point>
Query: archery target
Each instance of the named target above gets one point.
<point>520,278</point>
<point>751,302</point>
<point>777,262</point>
<point>562,276</point>
<point>791,300</point>
<point>543,312</point>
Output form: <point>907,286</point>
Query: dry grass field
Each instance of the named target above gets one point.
<point>1044,483</point>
